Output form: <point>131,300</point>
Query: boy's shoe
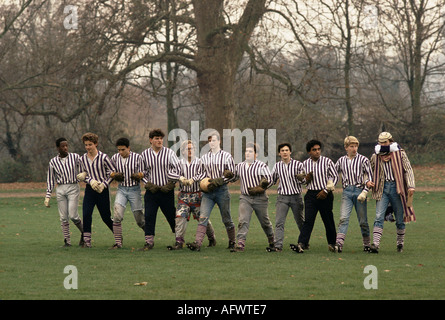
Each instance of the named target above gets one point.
<point>298,248</point>
<point>373,249</point>
<point>194,246</point>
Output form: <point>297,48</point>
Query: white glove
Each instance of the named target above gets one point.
<point>94,184</point>
<point>190,182</point>
<point>100,187</point>
<point>81,176</point>
<point>183,180</point>
<point>330,185</point>
<point>97,186</point>
<point>362,196</point>
<point>46,202</point>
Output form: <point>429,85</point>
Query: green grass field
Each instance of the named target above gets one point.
<point>33,261</point>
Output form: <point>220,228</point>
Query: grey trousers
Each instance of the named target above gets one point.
<point>284,203</point>
<point>68,202</point>
<point>247,205</point>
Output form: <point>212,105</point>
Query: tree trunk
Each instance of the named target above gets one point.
<point>220,50</point>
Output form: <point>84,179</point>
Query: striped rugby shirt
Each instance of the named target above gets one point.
<point>99,169</point>
<point>323,170</point>
<point>285,173</point>
<point>354,172</point>
<point>190,170</point>
<point>62,171</point>
<point>160,167</point>
<point>216,163</point>
<point>251,174</point>
<point>128,166</point>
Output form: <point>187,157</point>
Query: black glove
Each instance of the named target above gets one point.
<point>309,177</point>
<point>256,190</point>
<point>168,187</point>
<point>322,195</point>
<point>228,174</point>
<point>264,183</point>
<point>137,176</point>
<point>118,176</point>
<point>152,187</point>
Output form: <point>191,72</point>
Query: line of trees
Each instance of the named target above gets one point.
<point>321,69</point>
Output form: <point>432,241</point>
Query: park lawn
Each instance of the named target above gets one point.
<point>33,261</point>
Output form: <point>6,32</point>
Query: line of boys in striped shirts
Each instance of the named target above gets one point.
<point>159,168</point>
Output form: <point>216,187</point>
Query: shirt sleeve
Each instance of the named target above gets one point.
<point>50,181</point>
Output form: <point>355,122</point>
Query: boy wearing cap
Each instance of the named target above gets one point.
<point>356,173</point>
<point>394,184</point>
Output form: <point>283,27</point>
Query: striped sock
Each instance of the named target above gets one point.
<point>340,239</point>
<point>180,239</point>
<point>66,232</point>
<point>377,235</point>
<point>117,231</point>
<point>200,233</point>
<point>87,239</point>
<point>150,240</point>
<point>400,236</point>
<point>241,244</point>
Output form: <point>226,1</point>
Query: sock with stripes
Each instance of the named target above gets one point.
<point>66,232</point>
<point>340,239</point>
<point>377,235</point>
<point>400,236</point>
<point>200,233</point>
<point>117,231</point>
<point>150,240</point>
<point>87,239</point>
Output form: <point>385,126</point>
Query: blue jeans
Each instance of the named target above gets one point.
<point>348,201</point>
<point>129,194</point>
<point>390,195</point>
<point>221,197</point>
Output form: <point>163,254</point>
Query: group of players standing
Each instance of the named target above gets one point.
<point>203,182</point>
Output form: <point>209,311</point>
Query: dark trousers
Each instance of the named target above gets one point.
<point>311,206</point>
<point>102,201</point>
<point>154,201</point>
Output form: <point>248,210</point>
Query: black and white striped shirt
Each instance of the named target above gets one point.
<point>99,169</point>
<point>128,166</point>
<point>216,163</point>
<point>160,167</point>
<point>323,170</point>
<point>354,172</point>
<point>190,170</point>
<point>62,171</point>
<point>250,175</point>
<point>285,173</point>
